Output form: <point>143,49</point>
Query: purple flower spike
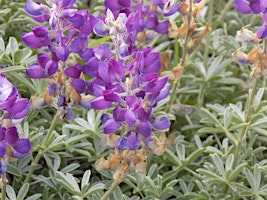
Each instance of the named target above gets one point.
<point>3,148</point>
<point>40,31</point>
<point>78,84</point>
<point>262,32</point>
<point>62,52</point>
<point>33,9</point>
<point>101,29</point>
<point>162,27</point>
<point>130,118</point>
<point>5,89</point>
<point>144,128</point>
<point>255,6</point>
<point>51,67</point>
<point>133,141</point>
<point>35,71</point>
<point>121,143</point>
<point>161,123</point>
<point>22,146</point>
<point>242,6</point>
<point>3,167</point>
<point>100,103</point>
<point>111,126</point>
<point>20,109</point>
<point>73,71</point>
<point>12,135</point>
<point>67,3</point>
<point>31,40</point>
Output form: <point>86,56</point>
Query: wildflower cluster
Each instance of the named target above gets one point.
<point>188,34</point>
<point>13,110</point>
<point>66,36</point>
<point>119,75</point>
<point>257,56</point>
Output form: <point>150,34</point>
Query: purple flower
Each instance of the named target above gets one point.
<point>254,7</point>
<point>6,89</point>
<point>133,141</point>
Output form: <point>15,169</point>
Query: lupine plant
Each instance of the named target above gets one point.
<point>133,99</point>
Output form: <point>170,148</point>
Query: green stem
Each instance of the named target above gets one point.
<point>248,113</point>
<point>209,21</point>
<point>110,191</point>
<point>201,95</point>
<point>4,186</point>
<point>43,148</point>
<point>227,7</point>
<point>183,59</point>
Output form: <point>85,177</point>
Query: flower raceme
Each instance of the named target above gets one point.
<point>67,34</point>
<point>134,89</point>
<point>125,78</point>
<point>14,109</point>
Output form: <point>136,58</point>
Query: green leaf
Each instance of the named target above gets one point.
<point>68,182</point>
<point>14,170</point>
<point>76,138</point>
<point>229,162</point>
<point>98,42</point>
<point>94,189</point>
<point>11,69</point>
<point>219,164</point>
<point>21,55</point>
<point>12,47</point>
<point>180,150</point>
<point>85,179</point>
<point>250,178</point>
<point>23,191</point>
<point>227,117</point>
<point>4,11</point>
<point>258,98</point>
<point>10,192</point>
<point>193,156</point>
<point>260,131</point>
<point>70,167</point>
<point>2,44</point>
<point>34,197</point>
<point>238,112</point>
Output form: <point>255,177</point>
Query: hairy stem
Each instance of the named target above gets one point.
<point>200,99</point>
<point>43,148</point>
<point>227,7</point>
<point>110,191</point>
<point>183,59</point>
<point>4,181</point>
<point>250,102</point>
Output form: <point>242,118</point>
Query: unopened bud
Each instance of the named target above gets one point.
<point>183,8</point>
<point>240,57</point>
<point>245,35</point>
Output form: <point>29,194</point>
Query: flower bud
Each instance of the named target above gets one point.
<point>245,35</point>
<point>183,8</point>
<point>240,56</point>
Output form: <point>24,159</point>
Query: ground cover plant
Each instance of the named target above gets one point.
<point>129,99</point>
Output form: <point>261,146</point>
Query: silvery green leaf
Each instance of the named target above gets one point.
<point>10,192</point>
<point>23,191</point>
